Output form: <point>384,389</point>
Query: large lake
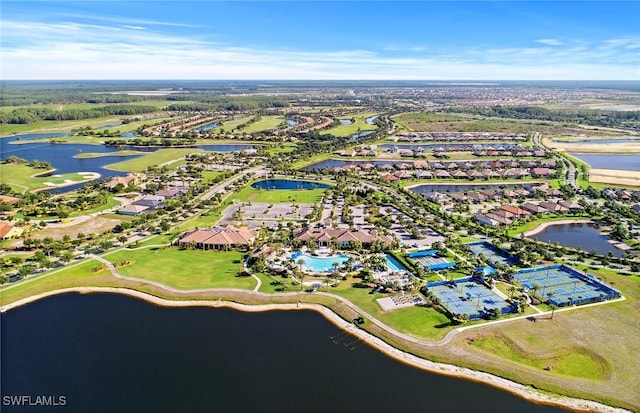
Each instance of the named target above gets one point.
<point>62,156</point>
<point>583,235</point>
<point>112,353</point>
<point>629,162</point>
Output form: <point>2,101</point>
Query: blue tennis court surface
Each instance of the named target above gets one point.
<point>491,254</point>
<point>563,285</point>
<point>468,296</point>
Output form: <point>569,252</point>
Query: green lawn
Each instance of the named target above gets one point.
<point>264,124</point>
<point>21,177</point>
<point>576,362</point>
<point>183,269</point>
<point>303,196</point>
<point>358,125</point>
<point>55,126</point>
<point>420,322</point>
<point>110,204</point>
<point>230,125</point>
<point>158,157</point>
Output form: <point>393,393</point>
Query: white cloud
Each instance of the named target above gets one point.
<point>550,42</point>
<point>70,50</point>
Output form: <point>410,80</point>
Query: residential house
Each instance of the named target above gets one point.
<point>534,208</point>
<point>9,231</point>
<point>485,220</point>
<point>218,239</point>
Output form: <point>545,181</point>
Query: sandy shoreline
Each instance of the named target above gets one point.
<point>544,225</point>
<point>517,389</point>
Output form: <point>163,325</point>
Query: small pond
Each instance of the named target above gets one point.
<point>207,127</point>
<point>288,184</point>
<point>583,235</point>
<point>361,135</point>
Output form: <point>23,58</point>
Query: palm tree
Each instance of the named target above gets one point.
<point>301,276</point>
<point>553,309</point>
<point>534,288</point>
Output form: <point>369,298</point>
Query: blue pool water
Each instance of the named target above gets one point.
<point>319,264</point>
<point>393,264</point>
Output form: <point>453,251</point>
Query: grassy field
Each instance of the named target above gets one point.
<point>264,124</point>
<point>183,269</point>
<point>132,126</point>
<point>577,362</point>
<point>162,156</point>
<point>594,343</point>
<point>358,125</point>
<point>438,122</point>
<point>230,125</point>
<point>55,126</point>
<point>22,177</point>
<point>303,196</point>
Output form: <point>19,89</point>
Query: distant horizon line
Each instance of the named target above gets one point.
<point>317,80</point>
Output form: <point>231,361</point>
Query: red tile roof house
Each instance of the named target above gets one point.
<point>343,237</point>
<point>9,231</point>
<point>9,199</point>
<point>540,172</point>
<point>218,239</point>
<point>389,177</point>
<point>515,211</point>
<point>500,216</point>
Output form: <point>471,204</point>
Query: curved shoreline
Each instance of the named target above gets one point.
<point>545,225</point>
<point>512,387</point>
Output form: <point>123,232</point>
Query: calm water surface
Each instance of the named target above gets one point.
<point>629,162</point>
<point>62,156</point>
<point>583,235</point>
<point>112,353</point>
<point>288,184</point>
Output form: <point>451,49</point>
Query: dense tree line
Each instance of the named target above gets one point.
<point>211,102</point>
<point>603,118</point>
<point>29,115</point>
<point>34,163</point>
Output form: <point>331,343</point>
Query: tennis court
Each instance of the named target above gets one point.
<point>468,296</point>
<point>492,254</point>
<point>563,285</point>
<point>431,260</point>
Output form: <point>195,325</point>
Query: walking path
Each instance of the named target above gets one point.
<point>524,391</point>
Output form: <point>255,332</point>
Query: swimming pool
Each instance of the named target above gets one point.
<point>319,264</point>
<point>393,264</point>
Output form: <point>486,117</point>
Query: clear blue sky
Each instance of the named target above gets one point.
<point>501,40</point>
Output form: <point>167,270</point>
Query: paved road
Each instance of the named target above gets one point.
<point>570,177</point>
<point>220,188</point>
